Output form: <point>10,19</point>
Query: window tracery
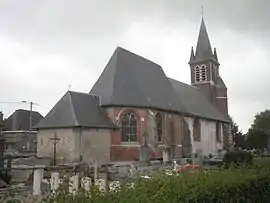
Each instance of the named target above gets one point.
<point>129,125</point>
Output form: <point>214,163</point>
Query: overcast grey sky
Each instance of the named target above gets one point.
<point>45,46</point>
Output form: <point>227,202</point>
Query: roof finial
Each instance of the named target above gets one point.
<point>202,11</point>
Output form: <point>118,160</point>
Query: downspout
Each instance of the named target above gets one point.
<point>80,145</point>
<point>182,133</point>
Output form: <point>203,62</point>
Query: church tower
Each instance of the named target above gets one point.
<point>204,67</point>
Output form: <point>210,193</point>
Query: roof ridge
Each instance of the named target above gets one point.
<point>116,64</point>
<point>72,109</point>
<point>137,55</point>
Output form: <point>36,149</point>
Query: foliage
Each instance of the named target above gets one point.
<point>238,137</point>
<point>237,158</point>
<point>259,132</point>
<point>233,185</point>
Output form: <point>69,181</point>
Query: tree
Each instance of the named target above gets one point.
<point>259,132</point>
<point>238,137</point>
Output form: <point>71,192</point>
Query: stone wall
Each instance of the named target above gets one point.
<point>66,150</point>
<point>208,143</point>
<point>76,144</point>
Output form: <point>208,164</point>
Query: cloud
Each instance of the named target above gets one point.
<point>47,45</point>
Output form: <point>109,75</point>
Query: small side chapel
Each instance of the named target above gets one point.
<point>134,110</point>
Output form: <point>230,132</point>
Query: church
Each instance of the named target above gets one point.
<point>134,110</point>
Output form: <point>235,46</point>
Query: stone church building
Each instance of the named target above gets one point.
<point>134,110</point>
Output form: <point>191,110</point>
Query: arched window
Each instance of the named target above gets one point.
<point>200,73</point>
<point>129,127</point>
<point>158,121</point>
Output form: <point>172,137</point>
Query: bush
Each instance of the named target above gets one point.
<point>236,185</point>
<point>241,184</point>
<point>237,158</point>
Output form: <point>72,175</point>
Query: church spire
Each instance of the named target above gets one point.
<point>203,49</point>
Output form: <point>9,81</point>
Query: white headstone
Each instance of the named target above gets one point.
<point>74,183</point>
<point>86,183</point>
<point>38,176</point>
<point>115,186</point>
<point>101,183</point>
<point>165,155</point>
<point>54,181</point>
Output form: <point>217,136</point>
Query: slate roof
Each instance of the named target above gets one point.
<point>203,49</point>
<point>20,120</point>
<point>131,80</point>
<point>196,102</point>
<point>76,109</point>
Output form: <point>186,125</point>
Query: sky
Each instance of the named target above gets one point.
<point>49,47</point>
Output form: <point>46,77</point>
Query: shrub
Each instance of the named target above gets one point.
<point>237,158</point>
<point>230,185</point>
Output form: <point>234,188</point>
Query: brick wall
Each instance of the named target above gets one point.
<point>123,152</point>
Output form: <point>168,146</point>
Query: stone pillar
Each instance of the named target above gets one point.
<point>74,183</point>
<point>86,183</point>
<point>38,176</point>
<point>54,181</point>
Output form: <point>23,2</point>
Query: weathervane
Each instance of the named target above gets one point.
<point>202,11</point>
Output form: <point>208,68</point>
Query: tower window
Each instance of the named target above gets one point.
<point>200,73</point>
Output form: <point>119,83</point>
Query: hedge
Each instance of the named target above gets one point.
<point>237,158</point>
<point>230,185</point>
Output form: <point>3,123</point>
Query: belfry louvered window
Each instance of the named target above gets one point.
<point>200,73</point>
<point>129,127</point>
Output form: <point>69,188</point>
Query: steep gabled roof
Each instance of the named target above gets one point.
<point>131,80</point>
<point>20,120</point>
<point>196,102</point>
<point>203,49</point>
<point>76,109</point>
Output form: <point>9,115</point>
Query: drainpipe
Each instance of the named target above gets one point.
<point>80,135</point>
<point>182,133</point>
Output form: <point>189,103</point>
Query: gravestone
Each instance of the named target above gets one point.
<point>38,176</point>
<point>144,154</point>
<point>101,183</point>
<point>114,186</point>
<point>54,181</point>
<point>74,183</point>
<point>86,183</point>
